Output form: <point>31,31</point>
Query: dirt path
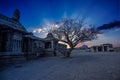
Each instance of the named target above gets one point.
<point>81,66</point>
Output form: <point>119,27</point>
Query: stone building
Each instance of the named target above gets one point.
<point>116,49</point>
<point>11,35</point>
<point>50,44</point>
<point>16,40</point>
<point>102,48</point>
<point>32,46</point>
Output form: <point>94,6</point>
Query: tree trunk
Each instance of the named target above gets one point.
<point>68,52</point>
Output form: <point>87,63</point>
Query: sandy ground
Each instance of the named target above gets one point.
<point>81,66</point>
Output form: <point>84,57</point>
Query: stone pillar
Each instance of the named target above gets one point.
<point>96,48</point>
<point>18,45</point>
<point>52,45</point>
<point>8,42</point>
<point>92,49</point>
<point>29,45</point>
<point>102,48</point>
<point>21,45</point>
<point>0,41</point>
<point>15,45</point>
<point>18,42</point>
<point>107,48</point>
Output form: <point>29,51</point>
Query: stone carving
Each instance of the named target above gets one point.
<point>16,15</point>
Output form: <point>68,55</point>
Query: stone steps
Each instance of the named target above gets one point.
<point>6,60</point>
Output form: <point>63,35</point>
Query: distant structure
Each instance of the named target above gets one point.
<point>102,48</point>
<point>84,47</point>
<point>116,49</point>
<point>16,40</point>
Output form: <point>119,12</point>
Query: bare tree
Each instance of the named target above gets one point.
<point>72,32</point>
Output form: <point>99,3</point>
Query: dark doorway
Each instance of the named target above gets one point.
<point>47,45</point>
<point>100,48</point>
<point>95,49</point>
<point>105,48</point>
<point>3,41</point>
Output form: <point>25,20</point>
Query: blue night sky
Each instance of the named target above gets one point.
<point>36,13</point>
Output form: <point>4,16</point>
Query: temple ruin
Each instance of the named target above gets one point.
<point>16,40</point>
